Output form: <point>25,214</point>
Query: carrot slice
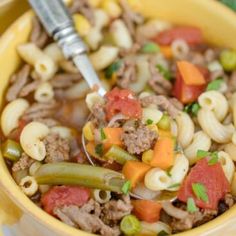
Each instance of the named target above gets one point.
<point>147,210</point>
<point>190,73</point>
<point>164,133</point>
<point>135,171</point>
<point>163,156</point>
<point>166,51</point>
<point>113,137</point>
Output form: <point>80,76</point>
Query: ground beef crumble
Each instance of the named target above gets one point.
<point>57,149</point>
<point>18,81</point>
<point>95,218</point>
<point>23,163</point>
<point>138,139</point>
<point>172,105</point>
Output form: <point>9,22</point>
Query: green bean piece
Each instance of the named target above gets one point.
<point>119,155</point>
<point>11,150</point>
<point>80,174</point>
<point>130,225</point>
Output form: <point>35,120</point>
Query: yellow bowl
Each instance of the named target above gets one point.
<point>219,26</point>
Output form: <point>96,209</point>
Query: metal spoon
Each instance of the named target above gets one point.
<point>57,21</point>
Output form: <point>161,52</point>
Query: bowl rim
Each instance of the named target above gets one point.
<point>12,190</point>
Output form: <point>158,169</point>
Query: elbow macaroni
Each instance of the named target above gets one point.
<point>11,115</point>
<point>112,8</point>
<point>101,196</point>
<point>157,179</point>
<point>63,131</point>
<point>121,35</point>
<point>178,171</point>
<point>230,148</point>
<point>30,140</point>
<point>201,141</point>
<point>185,129</point>
<point>227,165</point>
<point>54,52</point>
<point>44,92</point>
<point>211,126</point>
<point>29,185</point>
<point>215,101</point>
<point>233,106</point>
<point>143,75</point>
<point>44,65</point>
<point>79,90</point>
<point>104,57</point>
<point>233,185</point>
<point>95,36</point>
<point>152,114</point>
<point>180,48</point>
<point>92,99</point>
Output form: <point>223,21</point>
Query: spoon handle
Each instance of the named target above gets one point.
<point>57,21</point>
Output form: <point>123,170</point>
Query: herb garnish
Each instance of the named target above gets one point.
<point>149,121</point>
<point>102,134</point>
<point>200,191</point>
<point>191,207</point>
<point>111,69</point>
<point>213,156</point>
<point>215,84</point>
<point>99,149</point>
<point>126,187</point>
<point>164,72</point>
<point>192,108</point>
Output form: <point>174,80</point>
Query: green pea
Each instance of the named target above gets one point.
<point>130,225</point>
<point>228,60</point>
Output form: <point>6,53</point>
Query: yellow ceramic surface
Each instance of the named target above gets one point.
<point>23,217</point>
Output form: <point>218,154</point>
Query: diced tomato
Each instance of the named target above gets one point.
<point>147,210</point>
<point>119,94</point>
<point>192,35</point>
<point>59,196</point>
<point>187,93</point>
<point>122,101</point>
<point>214,180</point>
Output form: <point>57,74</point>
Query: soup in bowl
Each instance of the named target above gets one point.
<point>166,124</point>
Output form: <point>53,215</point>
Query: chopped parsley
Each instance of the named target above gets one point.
<point>202,153</point>
<point>99,149</point>
<point>215,84</point>
<point>162,233</point>
<point>213,156</point>
<point>164,72</point>
<point>150,48</point>
<point>174,185</point>
<point>214,159</point>
<point>149,121</point>
<point>192,108</point>
<point>191,207</point>
<point>112,69</point>
<point>199,191</point>
<point>126,187</point>
<point>102,134</point>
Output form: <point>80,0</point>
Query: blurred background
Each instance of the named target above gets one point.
<point>12,9</point>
